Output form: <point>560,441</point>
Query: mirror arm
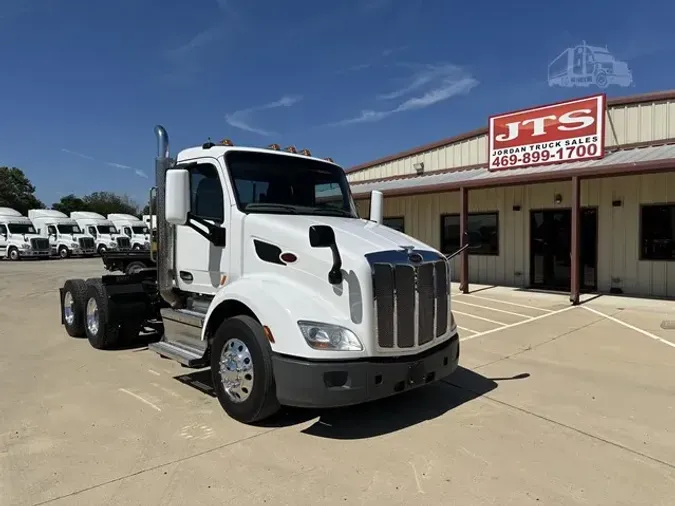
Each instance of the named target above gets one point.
<point>453,255</point>
<point>335,273</point>
<point>214,233</point>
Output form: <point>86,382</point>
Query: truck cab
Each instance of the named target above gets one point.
<point>102,231</point>
<point>64,234</point>
<point>19,238</point>
<point>267,274</point>
<point>133,228</point>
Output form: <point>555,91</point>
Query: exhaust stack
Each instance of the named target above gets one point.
<point>165,232</point>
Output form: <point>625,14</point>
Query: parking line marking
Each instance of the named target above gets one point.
<point>525,306</point>
<point>522,322</point>
<point>145,401</point>
<point>493,309</point>
<point>468,330</point>
<point>479,318</point>
<point>629,326</point>
<point>153,372</point>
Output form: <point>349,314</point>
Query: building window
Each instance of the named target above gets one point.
<point>485,225</point>
<point>657,232</point>
<point>397,223</point>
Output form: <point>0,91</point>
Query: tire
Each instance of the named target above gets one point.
<point>101,327</point>
<point>136,247</point>
<point>134,266</point>
<point>13,254</point>
<point>64,252</point>
<point>101,249</point>
<point>76,291</point>
<point>260,400</point>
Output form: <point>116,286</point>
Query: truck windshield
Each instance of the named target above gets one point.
<point>69,229</point>
<point>21,228</point>
<point>272,183</point>
<point>140,230</point>
<point>105,229</point>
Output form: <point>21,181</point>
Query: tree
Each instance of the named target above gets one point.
<point>17,192</point>
<point>70,203</point>
<point>107,202</point>
<point>146,208</point>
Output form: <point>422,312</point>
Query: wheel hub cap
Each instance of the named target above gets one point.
<point>68,313</point>
<point>92,316</point>
<point>236,370</point>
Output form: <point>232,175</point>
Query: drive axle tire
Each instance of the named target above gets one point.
<point>241,370</point>
<point>100,325</point>
<point>74,300</point>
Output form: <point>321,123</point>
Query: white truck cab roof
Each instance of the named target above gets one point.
<point>6,212</point>
<point>35,214</point>
<point>217,150</point>
<point>86,215</point>
<point>123,217</point>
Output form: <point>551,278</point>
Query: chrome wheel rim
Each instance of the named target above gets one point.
<point>68,313</point>
<point>236,370</point>
<point>92,316</point>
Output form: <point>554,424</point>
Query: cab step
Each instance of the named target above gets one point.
<point>181,352</point>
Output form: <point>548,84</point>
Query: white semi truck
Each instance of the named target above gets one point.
<point>291,300</point>
<point>102,231</point>
<point>18,237</point>
<point>65,236</point>
<point>131,226</point>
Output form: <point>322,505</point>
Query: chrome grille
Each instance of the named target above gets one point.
<point>39,244</point>
<point>410,300</point>
<point>123,242</point>
<point>86,242</point>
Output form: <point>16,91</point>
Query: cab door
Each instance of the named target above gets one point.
<point>4,240</point>
<point>199,264</point>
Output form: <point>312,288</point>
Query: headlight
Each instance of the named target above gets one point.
<point>74,245</point>
<point>112,245</point>
<point>323,336</point>
<point>25,246</point>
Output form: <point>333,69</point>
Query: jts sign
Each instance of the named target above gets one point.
<point>561,132</point>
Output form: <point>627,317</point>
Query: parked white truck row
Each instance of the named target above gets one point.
<point>46,232</point>
<point>290,297</point>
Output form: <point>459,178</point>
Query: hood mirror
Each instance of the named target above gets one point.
<point>323,236</point>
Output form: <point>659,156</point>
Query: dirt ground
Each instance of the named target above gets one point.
<point>552,405</point>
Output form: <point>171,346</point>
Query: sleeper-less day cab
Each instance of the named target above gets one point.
<point>65,236</point>
<point>266,274</point>
<point>102,231</point>
<point>18,237</point>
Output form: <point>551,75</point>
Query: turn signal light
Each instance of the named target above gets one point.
<point>226,142</point>
<point>291,149</point>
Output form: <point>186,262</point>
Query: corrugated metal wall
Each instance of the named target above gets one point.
<point>624,125</point>
<point>618,228</point>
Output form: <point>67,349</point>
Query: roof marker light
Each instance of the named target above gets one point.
<point>275,147</point>
<point>226,142</point>
<point>306,152</point>
<point>291,149</point>
<point>329,159</point>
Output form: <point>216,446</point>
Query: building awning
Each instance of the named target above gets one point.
<point>621,162</point>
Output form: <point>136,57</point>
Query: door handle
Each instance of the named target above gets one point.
<point>185,275</point>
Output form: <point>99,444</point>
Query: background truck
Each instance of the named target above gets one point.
<point>102,231</point>
<point>64,234</point>
<point>137,231</point>
<point>584,65</point>
<point>288,298</point>
<point>19,238</point>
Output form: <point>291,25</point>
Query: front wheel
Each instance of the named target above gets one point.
<point>241,370</point>
<point>14,254</point>
<point>63,252</point>
<point>102,249</point>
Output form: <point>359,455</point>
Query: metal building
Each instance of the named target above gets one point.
<point>602,223</point>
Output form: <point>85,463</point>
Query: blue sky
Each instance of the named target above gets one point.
<point>85,81</point>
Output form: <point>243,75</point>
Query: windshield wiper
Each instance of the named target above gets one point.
<point>336,211</point>
<point>265,206</point>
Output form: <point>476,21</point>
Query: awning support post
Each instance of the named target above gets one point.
<point>576,236</point>
<point>464,238</point>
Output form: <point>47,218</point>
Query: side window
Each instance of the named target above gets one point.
<point>127,231</point>
<point>3,230</point>
<point>206,193</point>
<point>92,231</point>
<point>51,230</point>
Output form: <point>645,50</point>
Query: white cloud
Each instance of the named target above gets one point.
<point>440,82</point>
<point>138,172</point>
<point>242,118</point>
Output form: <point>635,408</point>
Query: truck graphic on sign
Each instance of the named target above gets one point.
<point>584,65</point>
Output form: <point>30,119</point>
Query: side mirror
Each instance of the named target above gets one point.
<point>376,206</point>
<point>177,196</point>
<point>321,236</point>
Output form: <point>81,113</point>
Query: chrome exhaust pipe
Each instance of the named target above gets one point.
<point>166,278</point>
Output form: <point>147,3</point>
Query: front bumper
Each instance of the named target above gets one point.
<point>31,253</point>
<point>330,384</point>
